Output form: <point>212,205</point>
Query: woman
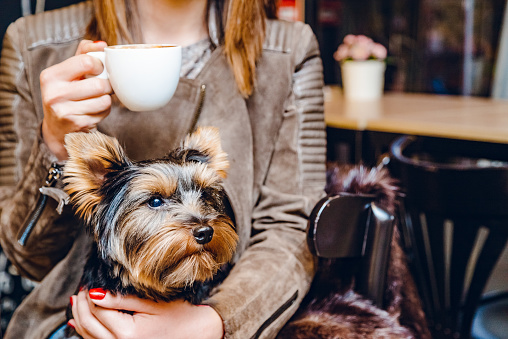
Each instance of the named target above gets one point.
<point>258,80</point>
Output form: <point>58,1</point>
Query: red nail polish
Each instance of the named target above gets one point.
<point>97,293</point>
<point>97,41</point>
<point>71,302</point>
<point>70,325</point>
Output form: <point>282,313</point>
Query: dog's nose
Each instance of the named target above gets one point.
<point>203,234</point>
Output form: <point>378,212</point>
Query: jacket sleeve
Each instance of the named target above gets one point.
<point>273,275</point>
<point>24,165</point>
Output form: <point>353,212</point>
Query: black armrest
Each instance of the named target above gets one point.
<point>352,226</point>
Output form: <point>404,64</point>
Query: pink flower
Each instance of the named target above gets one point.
<point>360,52</point>
<point>359,47</point>
<point>349,39</point>
<point>362,39</point>
<point>341,53</point>
<point>379,51</point>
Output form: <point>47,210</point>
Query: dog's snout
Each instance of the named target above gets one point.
<point>203,234</point>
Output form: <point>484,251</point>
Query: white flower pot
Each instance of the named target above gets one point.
<point>363,80</point>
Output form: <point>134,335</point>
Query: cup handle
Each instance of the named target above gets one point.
<point>102,57</point>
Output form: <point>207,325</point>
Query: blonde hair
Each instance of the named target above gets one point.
<point>240,24</point>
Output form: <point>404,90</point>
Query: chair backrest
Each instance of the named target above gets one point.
<point>353,226</point>
<point>456,219</point>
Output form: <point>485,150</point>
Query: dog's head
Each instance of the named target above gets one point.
<point>161,223</point>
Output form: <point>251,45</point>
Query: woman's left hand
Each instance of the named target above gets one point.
<point>99,314</point>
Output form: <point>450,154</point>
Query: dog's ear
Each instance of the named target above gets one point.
<point>91,157</point>
<point>206,140</point>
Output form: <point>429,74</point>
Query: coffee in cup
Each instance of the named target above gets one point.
<point>144,77</point>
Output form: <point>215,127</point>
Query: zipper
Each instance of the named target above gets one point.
<point>276,315</point>
<point>54,174</point>
<point>197,112</point>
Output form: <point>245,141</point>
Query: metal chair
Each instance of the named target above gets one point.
<point>456,224</point>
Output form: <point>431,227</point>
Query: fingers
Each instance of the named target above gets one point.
<point>123,302</point>
<point>86,113</point>
<point>74,68</point>
<point>77,66</point>
<point>117,322</point>
<point>85,323</point>
<point>86,46</point>
<point>150,319</point>
<point>72,116</point>
<point>71,101</point>
<point>75,90</point>
<point>89,112</point>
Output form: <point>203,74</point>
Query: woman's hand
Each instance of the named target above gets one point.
<point>99,314</point>
<point>72,102</point>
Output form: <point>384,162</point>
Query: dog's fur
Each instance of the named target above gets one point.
<point>160,227</point>
<point>332,309</point>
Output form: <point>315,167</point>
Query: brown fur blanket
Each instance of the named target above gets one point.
<point>332,309</point>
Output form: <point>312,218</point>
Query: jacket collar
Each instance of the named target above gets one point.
<point>212,26</point>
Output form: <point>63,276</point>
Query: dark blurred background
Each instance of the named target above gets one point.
<point>435,46</point>
<point>10,10</point>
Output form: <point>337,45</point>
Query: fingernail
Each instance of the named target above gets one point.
<point>97,41</point>
<point>71,302</point>
<point>81,288</point>
<point>70,324</point>
<point>97,293</point>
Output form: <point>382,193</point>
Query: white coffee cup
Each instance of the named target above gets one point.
<point>144,77</point>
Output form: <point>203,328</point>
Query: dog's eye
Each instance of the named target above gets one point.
<point>155,202</point>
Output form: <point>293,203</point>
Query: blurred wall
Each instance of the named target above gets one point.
<point>434,46</point>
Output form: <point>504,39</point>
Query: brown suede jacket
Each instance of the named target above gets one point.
<point>275,141</point>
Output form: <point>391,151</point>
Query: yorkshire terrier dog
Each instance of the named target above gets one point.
<point>160,227</point>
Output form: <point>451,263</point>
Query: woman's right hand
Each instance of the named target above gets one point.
<point>71,101</point>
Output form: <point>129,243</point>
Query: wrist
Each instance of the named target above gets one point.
<point>55,145</point>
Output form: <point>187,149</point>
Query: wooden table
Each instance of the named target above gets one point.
<point>454,117</point>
